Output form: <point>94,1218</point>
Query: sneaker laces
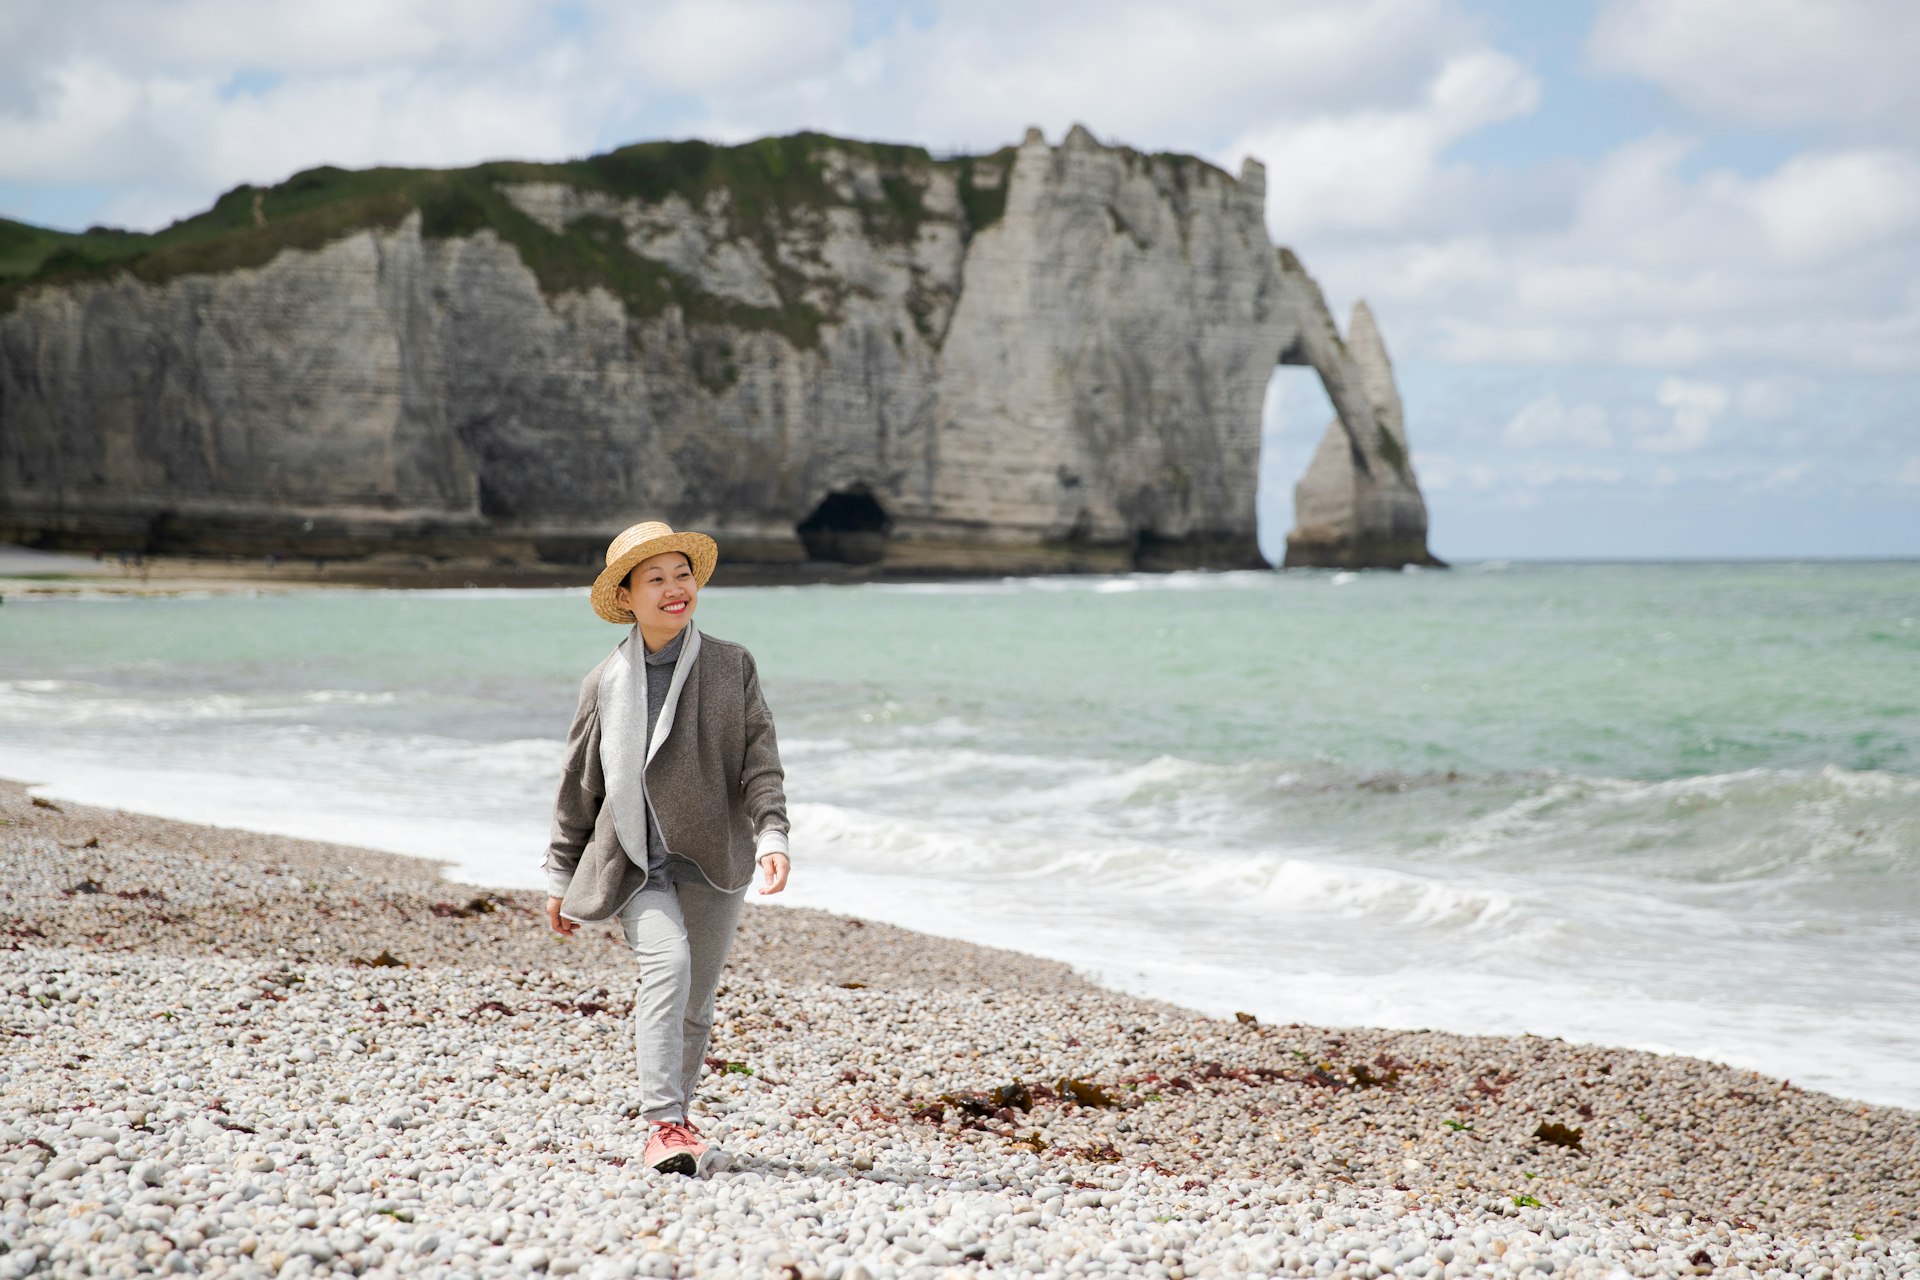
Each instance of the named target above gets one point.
<point>677,1134</point>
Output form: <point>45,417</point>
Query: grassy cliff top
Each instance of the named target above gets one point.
<point>766,181</point>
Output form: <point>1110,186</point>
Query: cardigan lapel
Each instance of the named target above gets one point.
<point>623,725</point>
<point>682,668</point>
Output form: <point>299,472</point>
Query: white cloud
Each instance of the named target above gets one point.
<point>167,104</point>
<point>1812,264</point>
<point>208,144</point>
<point>1382,170</point>
<point>1440,472</point>
<point>1541,475</point>
<point>1548,421</point>
<point>720,48</point>
<point>1646,231</point>
<point>1695,406</point>
<point>1910,474</point>
<point>1185,77</point>
<point>220,37</point>
<point>1772,62</point>
<point>1770,398</point>
<point>1816,208</point>
<point>1784,476</point>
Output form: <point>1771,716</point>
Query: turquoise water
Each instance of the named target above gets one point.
<point>1675,806</point>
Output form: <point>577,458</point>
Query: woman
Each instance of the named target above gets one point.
<point>672,791</point>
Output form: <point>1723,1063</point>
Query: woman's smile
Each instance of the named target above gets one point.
<point>661,593</point>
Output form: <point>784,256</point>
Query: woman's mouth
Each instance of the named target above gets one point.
<point>677,607</point>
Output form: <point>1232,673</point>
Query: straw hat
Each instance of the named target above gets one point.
<point>641,542</point>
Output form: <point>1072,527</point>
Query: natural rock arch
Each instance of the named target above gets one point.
<point>1358,505</point>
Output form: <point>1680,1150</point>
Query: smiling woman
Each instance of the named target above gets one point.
<point>660,831</point>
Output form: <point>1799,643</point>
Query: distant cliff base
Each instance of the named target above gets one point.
<point>1360,553</point>
<point>435,549</point>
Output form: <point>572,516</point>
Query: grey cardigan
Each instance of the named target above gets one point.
<point>713,778</point>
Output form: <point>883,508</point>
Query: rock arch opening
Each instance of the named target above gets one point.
<point>1357,504</point>
<point>849,527</point>
<point>1293,417</point>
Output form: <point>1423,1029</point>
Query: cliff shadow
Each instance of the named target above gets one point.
<point>848,527</point>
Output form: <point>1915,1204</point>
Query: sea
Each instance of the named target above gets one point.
<point>1674,807</point>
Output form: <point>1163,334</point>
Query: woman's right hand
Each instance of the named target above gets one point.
<point>558,923</point>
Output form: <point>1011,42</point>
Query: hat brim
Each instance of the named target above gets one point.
<point>700,550</point>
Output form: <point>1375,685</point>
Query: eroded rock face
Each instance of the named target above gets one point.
<point>1064,372</point>
<point>1360,508</point>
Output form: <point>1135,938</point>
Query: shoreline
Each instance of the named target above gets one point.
<point>228,989</point>
<point>27,572</point>
<point>30,571</point>
<point>1105,972</point>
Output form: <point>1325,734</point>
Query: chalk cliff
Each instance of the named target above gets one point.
<point>1358,505</point>
<point>1051,357</point>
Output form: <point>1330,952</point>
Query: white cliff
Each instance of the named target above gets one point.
<point>1048,358</point>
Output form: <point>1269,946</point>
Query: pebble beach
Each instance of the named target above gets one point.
<point>224,1053</point>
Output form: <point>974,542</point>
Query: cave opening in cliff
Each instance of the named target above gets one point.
<point>849,527</point>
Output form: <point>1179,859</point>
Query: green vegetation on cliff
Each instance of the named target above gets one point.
<point>765,189</point>
<point>24,247</point>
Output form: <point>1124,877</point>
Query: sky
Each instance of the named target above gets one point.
<point>1649,270</point>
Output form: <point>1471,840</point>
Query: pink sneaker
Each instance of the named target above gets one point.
<point>675,1148</point>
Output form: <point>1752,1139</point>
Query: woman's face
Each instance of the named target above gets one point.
<point>661,591</point>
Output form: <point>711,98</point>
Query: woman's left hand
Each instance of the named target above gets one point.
<point>774,867</point>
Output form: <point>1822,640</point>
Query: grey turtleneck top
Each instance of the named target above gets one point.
<point>662,867</point>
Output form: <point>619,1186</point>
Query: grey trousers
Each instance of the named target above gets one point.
<point>680,933</point>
